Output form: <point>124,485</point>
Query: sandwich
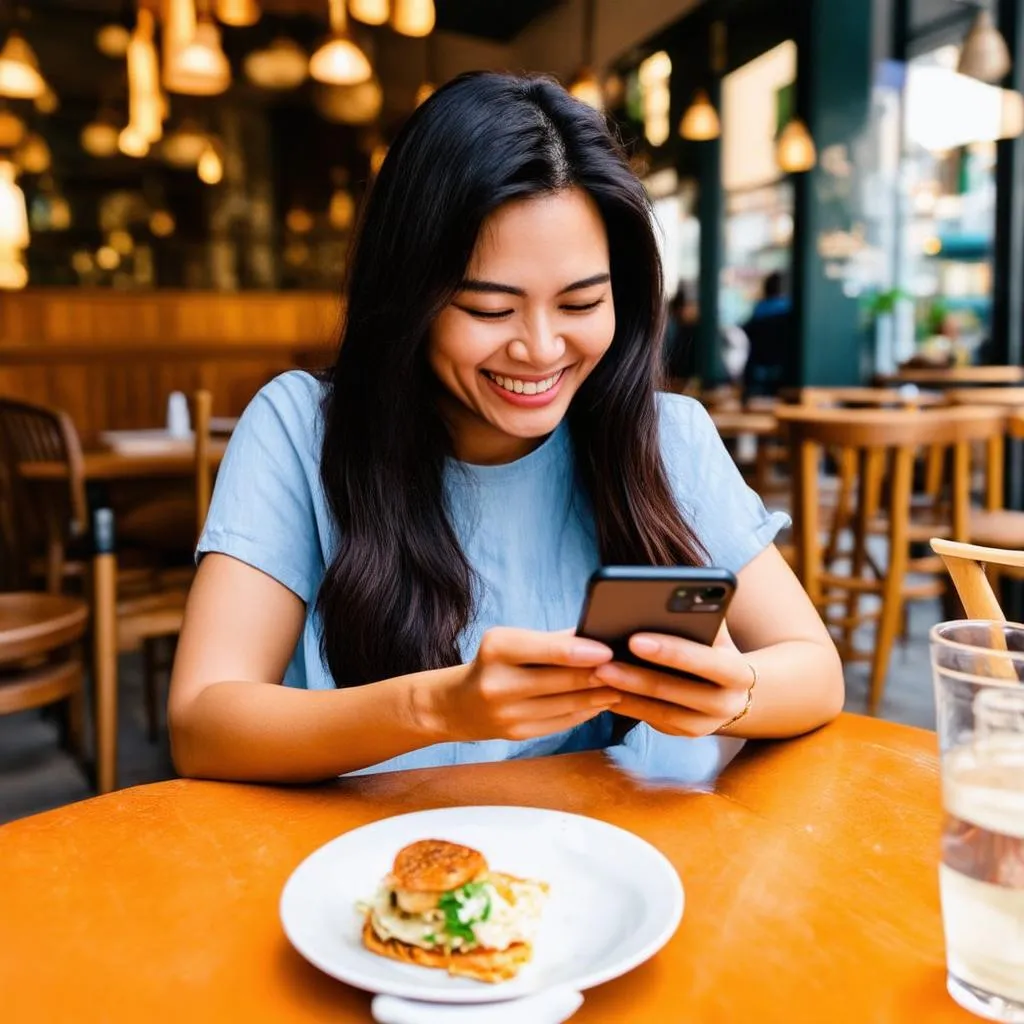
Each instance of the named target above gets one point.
<point>441,906</point>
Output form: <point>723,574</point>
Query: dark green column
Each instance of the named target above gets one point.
<point>710,214</point>
<point>833,97</point>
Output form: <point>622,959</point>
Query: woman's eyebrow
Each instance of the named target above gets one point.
<point>587,282</point>
<point>474,285</point>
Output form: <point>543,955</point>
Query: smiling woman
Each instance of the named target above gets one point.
<point>406,543</point>
<point>522,334</point>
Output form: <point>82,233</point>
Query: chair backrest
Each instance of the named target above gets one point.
<point>202,413</point>
<point>42,516</point>
<point>865,398</point>
<point>966,566</point>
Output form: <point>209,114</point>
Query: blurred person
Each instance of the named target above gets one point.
<point>680,349</point>
<point>770,333</point>
<point>680,345</point>
<point>405,543</point>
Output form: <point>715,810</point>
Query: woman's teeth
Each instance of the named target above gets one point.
<point>525,387</point>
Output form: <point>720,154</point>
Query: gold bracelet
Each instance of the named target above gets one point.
<point>746,707</point>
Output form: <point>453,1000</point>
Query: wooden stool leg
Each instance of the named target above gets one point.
<point>152,663</point>
<point>75,717</point>
<point>869,471</point>
<point>892,590</point>
<point>105,669</point>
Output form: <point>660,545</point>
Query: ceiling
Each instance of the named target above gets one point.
<point>496,20</point>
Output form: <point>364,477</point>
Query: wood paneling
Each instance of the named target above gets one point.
<point>112,359</point>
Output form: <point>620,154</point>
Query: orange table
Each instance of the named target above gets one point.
<point>810,875</point>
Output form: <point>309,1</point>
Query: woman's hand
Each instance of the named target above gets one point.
<point>522,684</point>
<point>681,707</point>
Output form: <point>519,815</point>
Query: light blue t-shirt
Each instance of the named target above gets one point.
<point>525,527</point>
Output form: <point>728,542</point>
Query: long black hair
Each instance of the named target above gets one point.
<point>400,590</point>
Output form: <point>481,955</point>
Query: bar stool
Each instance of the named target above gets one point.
<point>874,441</point>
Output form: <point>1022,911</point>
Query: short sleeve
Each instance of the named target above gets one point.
<point>264,507</point>
<point>728,517</point>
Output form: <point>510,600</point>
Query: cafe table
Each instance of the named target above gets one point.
<point>105,465</point>
<point>810,875</point>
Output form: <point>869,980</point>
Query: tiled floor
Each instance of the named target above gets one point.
<point>36,775</point>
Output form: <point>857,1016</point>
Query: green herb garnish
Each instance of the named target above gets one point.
<point>464,907</point>
<point>431,938</point>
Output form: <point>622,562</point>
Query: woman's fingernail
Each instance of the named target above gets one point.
<point>585,650</point>
<point>644,645</point>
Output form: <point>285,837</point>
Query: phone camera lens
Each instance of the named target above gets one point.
<point>714,593</point>
<point>682,592</point>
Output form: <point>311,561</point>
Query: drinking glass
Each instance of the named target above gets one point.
<point>977,669</point>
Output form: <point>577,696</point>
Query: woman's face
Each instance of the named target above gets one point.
<point>530,321</point>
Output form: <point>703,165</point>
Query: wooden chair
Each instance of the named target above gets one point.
<point>151,625</point>
<point>40,657</point>
<point>993,525</point>
<point>42,522</point>
<point>873,441</point>
<point>967,564</point>
<point>202,414</point>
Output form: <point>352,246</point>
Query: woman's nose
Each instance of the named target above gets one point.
<point>541,346</point>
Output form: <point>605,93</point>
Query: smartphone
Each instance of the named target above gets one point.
<point>622,600</point>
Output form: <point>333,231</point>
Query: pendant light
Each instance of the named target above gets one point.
<point>145,104</point>
<point>238,13</point>
<point>654,74</point>
<point>701,123</point>
<point>14,235</point>
<point>12,129</point>
<point>183,147</point>
<point>99,137</point>
<point>370,12</point>
<point>341,213</point>
<point>339,61</point>
<point>200,67</point>
<point>585,85</point>
<point>60,211</point>
<point>414,18</point>
<point>282,65</point>
<point>112,40</point>
<point>161,223</point>
<point>178,28</point>
<point>33,156</point>
<point>985,55</point>
<point>350,104</point>
<point>132,142</point>
<point>19,70</point>
<point>795,151</point>
<point>210,168</point>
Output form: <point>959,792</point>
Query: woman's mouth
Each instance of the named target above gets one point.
<point>530,391</point>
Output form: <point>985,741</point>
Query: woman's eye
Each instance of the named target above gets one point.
<point>585,307</point>
<point>487,314</point>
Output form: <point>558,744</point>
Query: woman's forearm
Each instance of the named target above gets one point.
<point>260,732</point>
<point>799,687</point>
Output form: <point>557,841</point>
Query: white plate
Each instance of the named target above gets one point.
<point>615,900</point>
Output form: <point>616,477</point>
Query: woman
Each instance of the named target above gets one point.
<point>407,544</point>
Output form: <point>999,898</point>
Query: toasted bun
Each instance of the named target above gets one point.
<point>435,865</point>
<point>489,965</point>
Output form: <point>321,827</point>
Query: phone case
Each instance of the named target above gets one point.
<point>623,600</point>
